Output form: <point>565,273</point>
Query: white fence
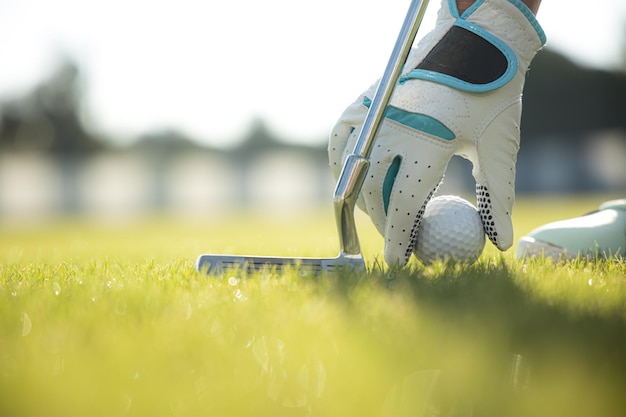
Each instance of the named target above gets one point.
<point>120,185</point>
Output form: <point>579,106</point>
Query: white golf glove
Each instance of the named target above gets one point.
<point>459,94</point>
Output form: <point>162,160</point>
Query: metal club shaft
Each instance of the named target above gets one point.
<point>356,165</point>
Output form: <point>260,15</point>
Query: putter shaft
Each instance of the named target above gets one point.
<point>356,165</point>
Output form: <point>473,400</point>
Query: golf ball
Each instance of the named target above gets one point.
<point>450,229</point>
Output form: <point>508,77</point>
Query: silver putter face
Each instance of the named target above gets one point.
<point>219,264</point>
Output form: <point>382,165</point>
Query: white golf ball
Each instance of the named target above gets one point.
<point>450,229</point>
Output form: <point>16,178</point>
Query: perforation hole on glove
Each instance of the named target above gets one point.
<point>416,224</point>
<point>484,208</point>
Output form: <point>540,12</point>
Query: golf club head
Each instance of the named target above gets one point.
<point>219,264</point>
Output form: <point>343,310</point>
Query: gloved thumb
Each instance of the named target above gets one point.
<point>348,123</point>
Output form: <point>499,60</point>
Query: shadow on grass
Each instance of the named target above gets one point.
<point>496,341</point>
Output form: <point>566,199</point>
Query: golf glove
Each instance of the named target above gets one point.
<point>459,94</point>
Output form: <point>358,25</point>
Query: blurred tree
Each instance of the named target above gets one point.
<point>566,107</point>
<point>562,98</point>
<point>47,119</point>
<point>165,141</point>
<point>260,138</point>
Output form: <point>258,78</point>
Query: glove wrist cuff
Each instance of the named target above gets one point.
<point>512,22</point>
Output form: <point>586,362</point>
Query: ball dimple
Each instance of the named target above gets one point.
<point>451,228</point>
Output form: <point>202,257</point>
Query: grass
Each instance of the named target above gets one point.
<point>106,320</point>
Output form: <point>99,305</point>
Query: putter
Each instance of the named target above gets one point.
<point>350,180</point>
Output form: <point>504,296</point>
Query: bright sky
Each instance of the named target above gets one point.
<point>210,67</point>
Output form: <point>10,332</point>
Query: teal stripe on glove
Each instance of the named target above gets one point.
<point>421,122</point>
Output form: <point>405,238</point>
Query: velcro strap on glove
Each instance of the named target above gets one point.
<point>469,57</point>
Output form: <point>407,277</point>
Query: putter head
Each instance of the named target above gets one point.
<point>218,264</point>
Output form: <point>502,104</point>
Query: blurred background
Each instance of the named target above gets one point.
<point>115,109</point>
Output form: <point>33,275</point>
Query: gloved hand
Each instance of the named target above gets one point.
<point>459,94</point>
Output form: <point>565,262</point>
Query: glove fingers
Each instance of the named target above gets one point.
<point>495,179</point>
<point>400,183</point>
<point>497,227</point>
<point>411,192</point>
